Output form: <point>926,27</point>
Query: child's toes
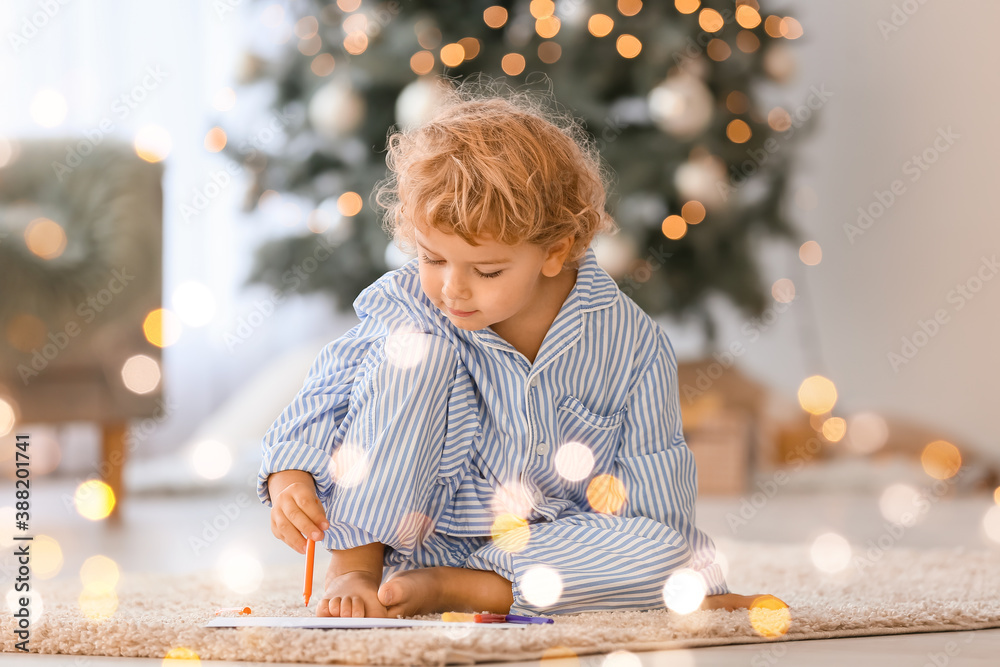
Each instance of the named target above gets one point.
<point>398,597</point>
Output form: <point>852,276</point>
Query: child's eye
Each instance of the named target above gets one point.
<point>480,273</point>
<point>489,275</point>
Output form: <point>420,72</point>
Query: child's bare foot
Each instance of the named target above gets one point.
<point>433,590</point>
<point>352,594</point>
<point>732,601</point>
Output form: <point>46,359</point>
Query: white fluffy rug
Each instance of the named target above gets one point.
<point>880,592</point>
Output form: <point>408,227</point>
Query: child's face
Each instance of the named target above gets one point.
<point>478,286</point>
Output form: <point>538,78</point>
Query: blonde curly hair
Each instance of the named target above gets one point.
<point>495,163</point>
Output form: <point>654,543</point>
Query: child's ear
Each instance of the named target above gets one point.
<point>556,256</point>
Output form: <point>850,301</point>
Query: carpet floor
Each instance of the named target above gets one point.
<point>891,591</point>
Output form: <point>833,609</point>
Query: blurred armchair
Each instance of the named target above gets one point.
<point>80,270</point>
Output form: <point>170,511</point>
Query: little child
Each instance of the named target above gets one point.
<point>501,431</point>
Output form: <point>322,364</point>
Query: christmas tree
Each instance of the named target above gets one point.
<point>668,90</point>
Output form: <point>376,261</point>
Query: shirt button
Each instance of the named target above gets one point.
<point>542,448</point>
<point>534,382</point>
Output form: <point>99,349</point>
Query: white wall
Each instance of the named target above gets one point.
<point>891,96</point>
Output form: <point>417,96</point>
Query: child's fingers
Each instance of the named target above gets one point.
<point>304,524</point>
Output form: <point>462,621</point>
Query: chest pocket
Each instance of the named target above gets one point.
<point>600,433</point>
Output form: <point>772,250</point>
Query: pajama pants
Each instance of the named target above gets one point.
<point>401,415</point>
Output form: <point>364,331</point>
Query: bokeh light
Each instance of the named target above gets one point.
<point>422,62</point>
<point>495,16</point>
<point>600,25</point>
<point>606,494</point>
<point>941,459</point>
<point>100,572</point>
<point>684,591</point>
<point>452,55</point>
<point>817,395</point>
<point>152,143</point>
<point>215,140</point>
<point>45,238</point>
<point>810,253</point>
<point>899,503</point>
<point>211,459</point>
<point>510,532</point>
<point>7,417</point>
<point>512,64</point>
<point>46,557</point>
<point>996,492</point>
<point>629,7</point>
<point>622,658</point>
<point>141,374</point>
<point>549,52</point>
<point>349,203</point>
<point>194,303</point>
<point>628,45</point>
<point>738,131</point>
<point>710,20</point>
<point>834,429</point>
<point>405,349</point>
<point>323,65</point>
<point>541,586</point>
<point>470,45</point>
<point>674,227</point>
<point>831,553</point>
<point>693,212</point>
<point>747,42</point>
<point>867,432</point>
<point>350,465</point>
<point>97,604</point>
<point>747,16</point>
<point>239,570</point>
<point>181,656</point>
<point>769,616</point>
<point>991,523</point>
<point>548,27</point>
<point>783,290</point>
<point>718,50</point>
<point>162,327</point>
<point>574,461</point>
<point>94,499</point>
<point>687,6</point>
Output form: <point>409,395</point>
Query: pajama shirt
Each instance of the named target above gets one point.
<point>568,476</point>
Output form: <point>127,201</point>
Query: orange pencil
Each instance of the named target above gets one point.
<point>308,585</point>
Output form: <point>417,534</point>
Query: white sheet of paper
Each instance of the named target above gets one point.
<point>341,623</point>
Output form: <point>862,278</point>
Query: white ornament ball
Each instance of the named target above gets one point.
<point>418,101</point>
<point>681,105</point>
<point>703,179</point>
<point>336,110</point>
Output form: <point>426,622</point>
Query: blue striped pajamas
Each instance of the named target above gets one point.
<point>419,435</point>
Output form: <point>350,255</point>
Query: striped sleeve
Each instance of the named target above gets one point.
<point>301,438</point>
<point>655,464</point>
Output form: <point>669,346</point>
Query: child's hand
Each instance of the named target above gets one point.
<point>352,594</point>
<point>296,512</point>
